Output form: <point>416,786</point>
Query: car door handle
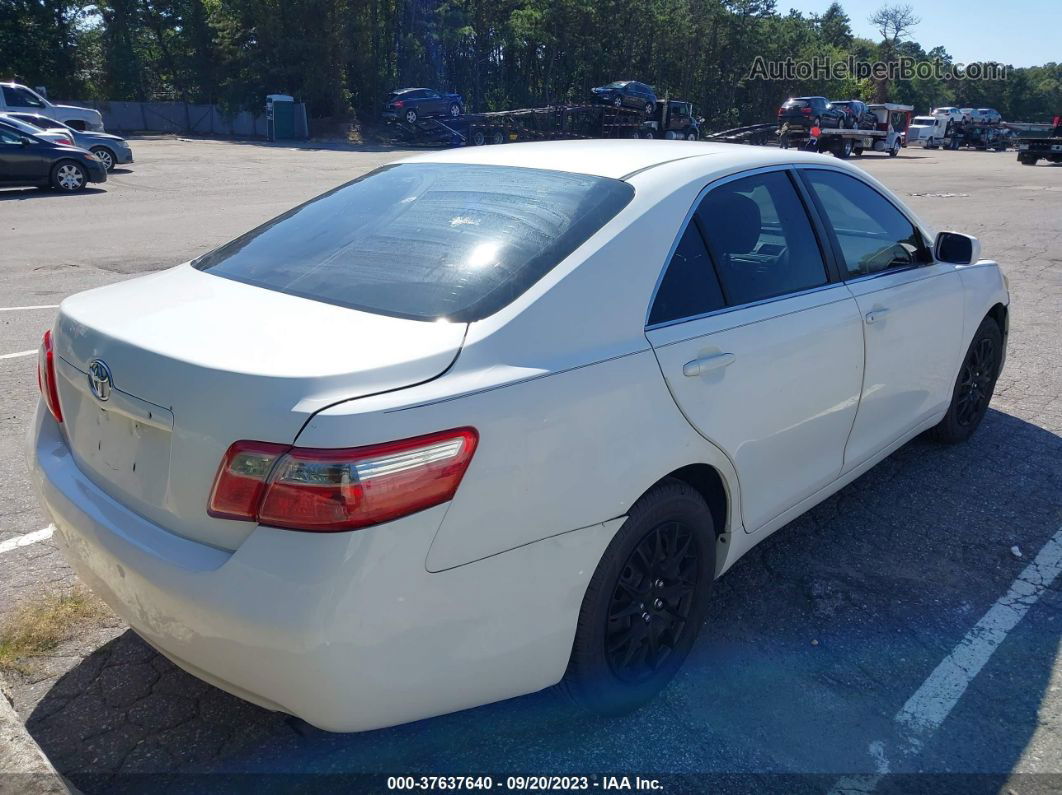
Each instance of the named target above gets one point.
<point>876,315</point>
<point>706,364</point>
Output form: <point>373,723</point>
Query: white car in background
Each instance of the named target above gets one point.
<point>951,114</point>
<point>490,418</point>
<point>15,98</point>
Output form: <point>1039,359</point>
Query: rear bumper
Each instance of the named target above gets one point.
<point>345,630</point>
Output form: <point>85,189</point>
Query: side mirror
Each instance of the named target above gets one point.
<point>25,140</point>
<point>957,248</point>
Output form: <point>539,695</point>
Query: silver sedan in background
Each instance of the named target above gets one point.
<point>112,150</point>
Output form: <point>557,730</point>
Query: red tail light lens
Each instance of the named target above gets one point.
<point>806,111</point>
<point>46,377</point>
<point>326,490</point>
<point>398,104</point>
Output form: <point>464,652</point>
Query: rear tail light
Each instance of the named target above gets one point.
<point>67,141</point>
<point>46,377</point>
<point>326,490</point>
<point>398,104</point>
<point>806,111</point>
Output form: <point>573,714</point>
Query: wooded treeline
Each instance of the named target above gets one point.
<point>343,56</point>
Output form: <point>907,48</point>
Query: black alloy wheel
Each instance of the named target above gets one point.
<point>976,381</point>
<point>974,385</point>
<point>648,616</point>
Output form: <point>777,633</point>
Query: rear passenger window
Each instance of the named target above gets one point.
<point>689,287</point>
<point>872,234</point>
<point>760,238</point>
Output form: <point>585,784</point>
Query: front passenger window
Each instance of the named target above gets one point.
<point>872,234</point>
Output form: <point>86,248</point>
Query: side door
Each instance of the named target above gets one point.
<point>911,308</point>
<point>760,344</point>
<point>19,161</point>
<point>432,103</point>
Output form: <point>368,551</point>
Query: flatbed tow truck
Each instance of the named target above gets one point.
<point>887,135</point>
<point>672,119</point>
<point>1035,147</point>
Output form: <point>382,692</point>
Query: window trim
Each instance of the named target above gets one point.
<point>838,254</point>
<point>825,250</point>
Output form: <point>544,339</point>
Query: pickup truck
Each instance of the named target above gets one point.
<point>15,98</point>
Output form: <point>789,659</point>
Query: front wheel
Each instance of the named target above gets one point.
<point>68,176</point>
<point>691,136</point>
<point>894,151</point>
<point>648,108</point>
<point>617,102</point>
<point>846,149</point>
<point>645,603</point>
<point>974,386</point>
<point>455,110</point>
<point>105,155</point>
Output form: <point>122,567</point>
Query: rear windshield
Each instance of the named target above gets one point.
<point>425,240</point>
<point>795,103</point>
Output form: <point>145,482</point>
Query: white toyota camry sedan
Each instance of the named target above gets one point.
<point>490,419</point>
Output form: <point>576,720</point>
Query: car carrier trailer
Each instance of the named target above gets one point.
<point>887,136</point>
<point>673,119</point>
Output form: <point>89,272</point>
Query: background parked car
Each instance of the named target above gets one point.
<point>15,98</point>
<point>858,114</point>
<point>952,114</point>
<point>411,104</point>
<point>990,115</point>
<point>627,93</point>
<point>112,150</point>
<point>57,135</point>
<point>811,112</point>
<point>31,160</point>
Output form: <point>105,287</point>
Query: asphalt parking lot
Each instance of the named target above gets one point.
<point>818,640</point>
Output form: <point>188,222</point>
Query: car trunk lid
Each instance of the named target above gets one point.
<point>205,361</point>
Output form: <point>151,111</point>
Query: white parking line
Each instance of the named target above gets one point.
<point>20,308</point>
<point>27,539</point>
<point>17,354</point>
<point>931,704</point>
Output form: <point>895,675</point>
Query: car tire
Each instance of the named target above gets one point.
<point>671,135</point>
<point>411,116</point>
<point>845,151</point>
<point>691,136</point>
<point>106,157</point>
<point>1027,161</point>
<point>648,135</point>
<point>455,110</point>
<point>645,603</point>
<point>68,176</point>
<point>973,386</point>
<point>895,150</point>
<point>648,108</point>
<point>857,151</point>
<point>497,137</point>
<point>617,101</point>
<point>478,138</point>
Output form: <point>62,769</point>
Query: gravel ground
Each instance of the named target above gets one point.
<point>816,639</point>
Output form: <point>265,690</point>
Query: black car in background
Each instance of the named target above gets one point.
<point>858,115</point>
<point>410,104</point>
<point>627,93</point>
<point>26,160</point>
<point>811,112</point>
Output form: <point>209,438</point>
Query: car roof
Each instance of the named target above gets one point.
<point>612,158</point>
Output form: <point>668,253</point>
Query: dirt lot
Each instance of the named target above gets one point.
<point>817,639</point>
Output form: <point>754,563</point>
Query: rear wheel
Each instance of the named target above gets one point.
<point>68,176</point>
<point>895,150</point>
<point>455,110</point>
<point>645,603</point>
<point>974,386</point>
<point>617,102</point>
<point>857,151</point>
<point>497,137</point>
<point>411,116</point>
<point>1027,161</point>
<point>691,136</point>
<point>478,138</point>
<point>846,149</point>
<point>648,108</point>
<point>648,134</point>
<point>671,135</point>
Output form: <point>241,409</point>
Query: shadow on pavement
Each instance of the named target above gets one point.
<point>816,639</point>
<point>15,194</point>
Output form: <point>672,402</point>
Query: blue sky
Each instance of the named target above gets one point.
<point>1018,32</point>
